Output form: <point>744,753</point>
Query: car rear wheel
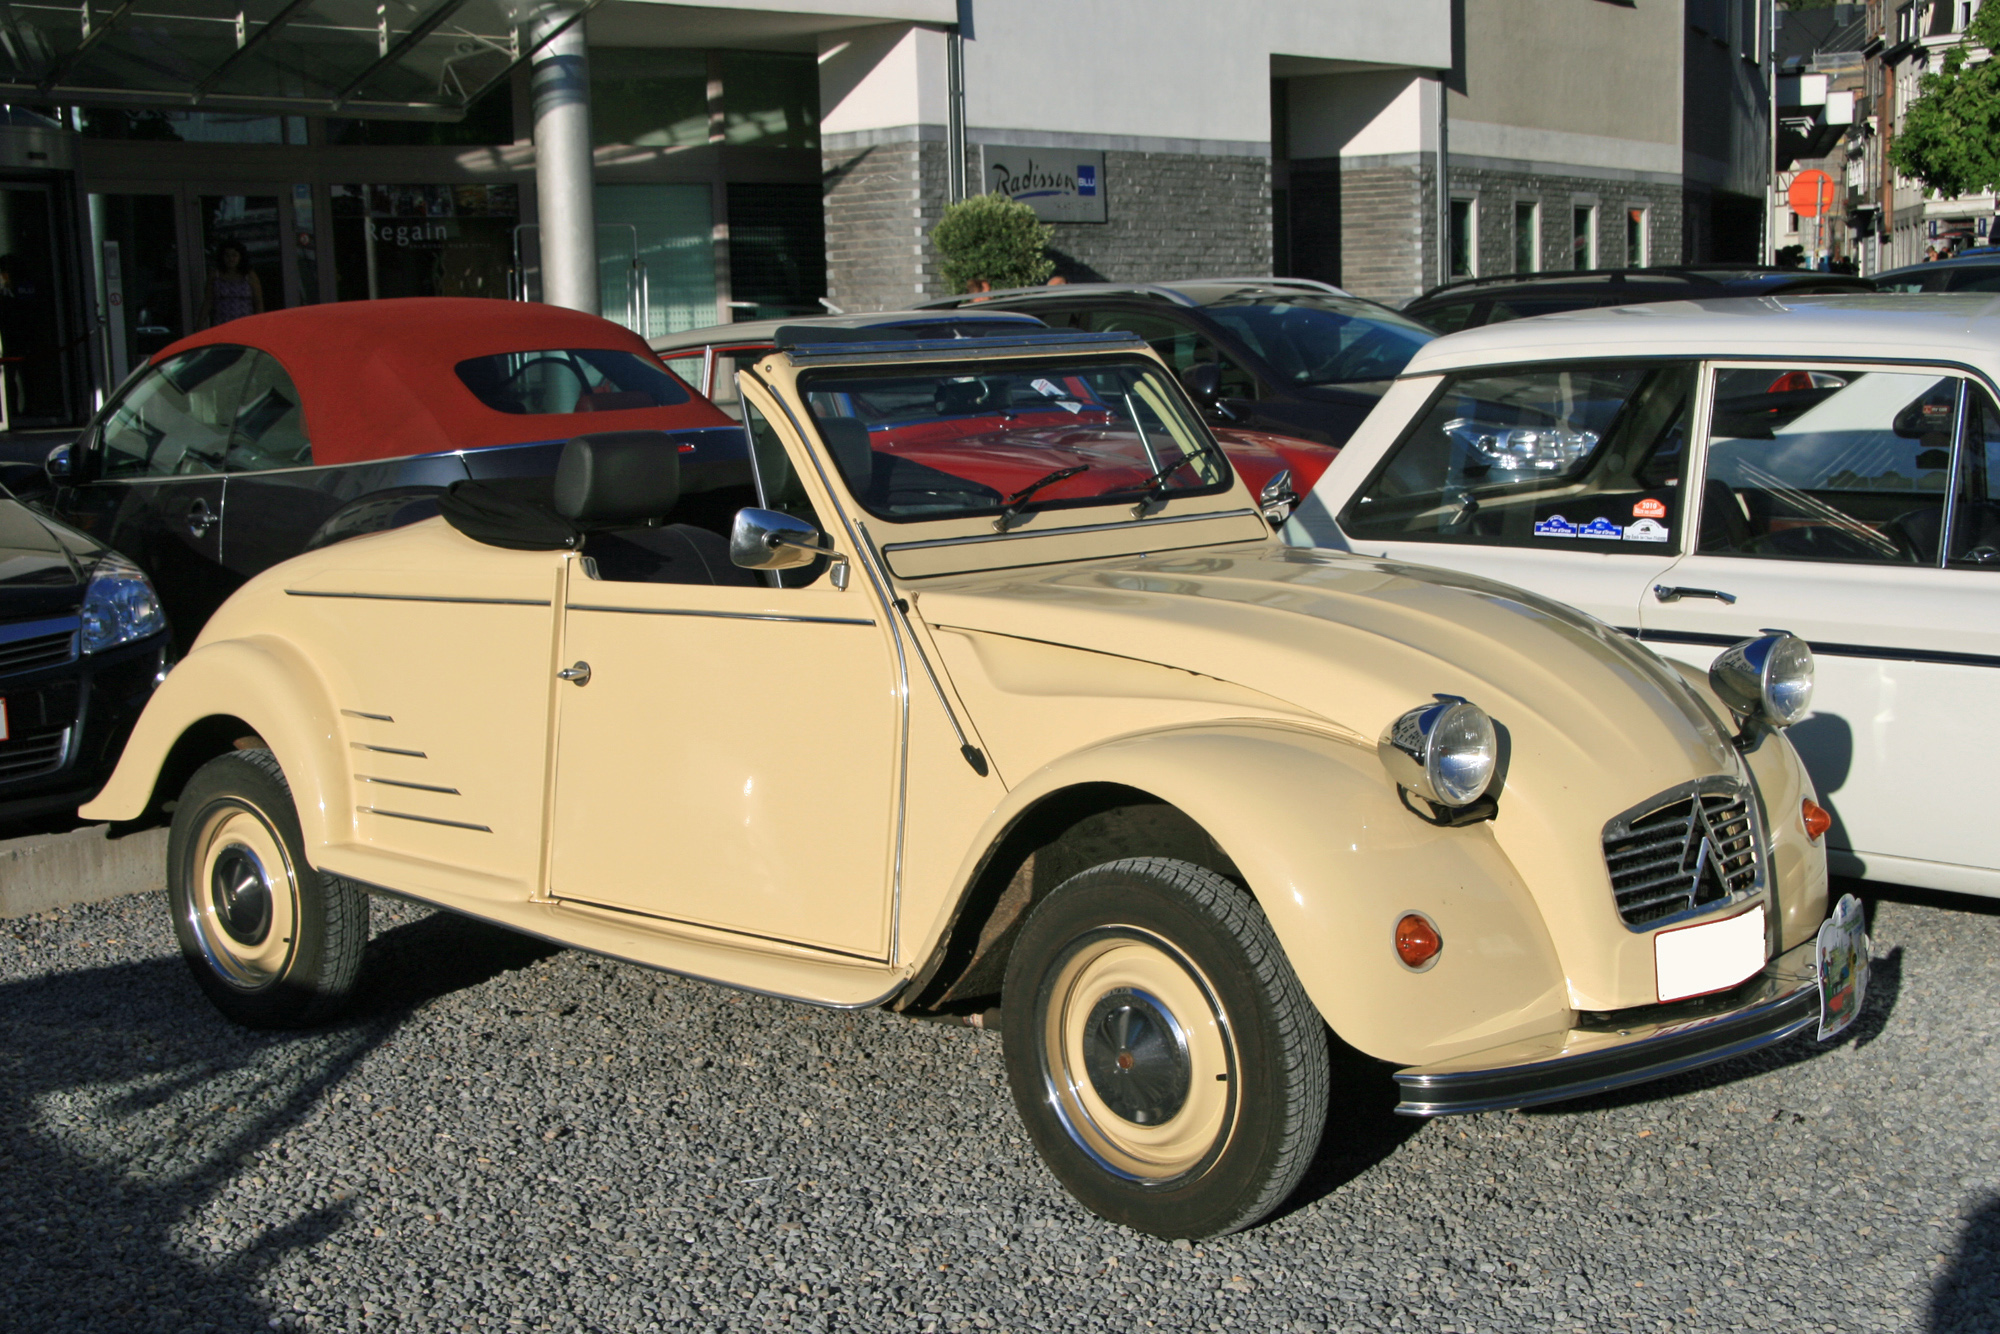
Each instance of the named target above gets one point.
<point>1163,1055</point>
<point>273,943</point>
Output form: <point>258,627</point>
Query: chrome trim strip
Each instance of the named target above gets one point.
<point>372,717</point>
<point>388,750</point>
<point>397,782</point>
<point>477,916</point>
<point>1121,526</point>
<point>417,597</point>
<point>718,615</point>
<point>424,819</point>
<point>48,625</point>
<point>1943,656</point>
<point>624,911</point>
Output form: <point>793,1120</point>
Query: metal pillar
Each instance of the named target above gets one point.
<point>559,83</point>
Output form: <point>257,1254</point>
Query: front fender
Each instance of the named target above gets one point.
<point>1334,859</point>
<point>270,685</point>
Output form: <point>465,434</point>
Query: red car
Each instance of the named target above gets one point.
<point>248,443</point>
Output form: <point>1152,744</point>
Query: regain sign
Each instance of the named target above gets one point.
<point>1060,184</point>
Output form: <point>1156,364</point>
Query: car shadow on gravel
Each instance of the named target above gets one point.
<point>1362,1127</point>
<point>130,1111</point>
<point>1885,983</point>
<point>1967,1297</point>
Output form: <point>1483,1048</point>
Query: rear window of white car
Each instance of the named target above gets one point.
<point>1557,456</point>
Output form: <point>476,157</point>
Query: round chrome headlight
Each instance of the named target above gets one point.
<point>1444,751</point>
<point>1769,678</point>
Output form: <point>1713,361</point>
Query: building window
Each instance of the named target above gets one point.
<point>1635,238</point>
<point>1464,238</point>
<point>1791,224</point>
<point>1583,236</point>
<point>1527,238</point>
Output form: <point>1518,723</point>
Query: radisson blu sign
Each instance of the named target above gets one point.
<point>1060,184</point>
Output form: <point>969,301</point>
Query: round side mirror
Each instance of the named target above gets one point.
<point>60,464</point>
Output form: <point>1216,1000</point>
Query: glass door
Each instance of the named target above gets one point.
<point>136,242</point>
<point>242,242</point>
<point>34,341</point>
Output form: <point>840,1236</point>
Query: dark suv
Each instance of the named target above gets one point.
<point>1282,355</point>
<point>1475,301</point>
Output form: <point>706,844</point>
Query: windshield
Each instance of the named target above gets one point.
<point>1311,339</point>
<point>943,444</point>
<point>1537,456</point>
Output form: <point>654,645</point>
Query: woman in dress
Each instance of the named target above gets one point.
<point>233,290</point>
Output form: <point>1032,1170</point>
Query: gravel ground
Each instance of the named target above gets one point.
<point>507,1136</point>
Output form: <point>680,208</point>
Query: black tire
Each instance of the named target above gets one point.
<point>274,943</point>
<point>1164,1057</point>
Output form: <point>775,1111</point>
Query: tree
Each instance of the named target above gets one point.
<point>1950,136</point>
<point>991,239</point>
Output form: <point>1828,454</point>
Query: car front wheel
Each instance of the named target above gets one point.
<point>1164,1057</point>
<point>273,943</point>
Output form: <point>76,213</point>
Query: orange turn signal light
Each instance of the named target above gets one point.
<point>1817,819</point>
<point>1417,940</point>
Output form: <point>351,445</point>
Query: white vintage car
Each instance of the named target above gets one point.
<point>992,685</point>
<point>1694,472</point>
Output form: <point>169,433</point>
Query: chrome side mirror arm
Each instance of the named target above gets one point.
<point>838,571</point>
<point>1277,499</point>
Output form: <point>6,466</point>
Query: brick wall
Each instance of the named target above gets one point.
<point>881,202</point>
<point>1171,216</point>
<point>1387,231</point>
<point>1497,192</point>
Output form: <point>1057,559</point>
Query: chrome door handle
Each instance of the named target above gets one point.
<point>200,518</point>
<point>580,674</point>
<point>1668,593</point>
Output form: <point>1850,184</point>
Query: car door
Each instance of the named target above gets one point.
<point>1824,496</point>
<point>728,755</point>
<point>151,479</point>
<point>1567,479</point>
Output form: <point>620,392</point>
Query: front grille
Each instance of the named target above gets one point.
<point>23,650</point>
<point>1687,848</point>
<point>31,755</point>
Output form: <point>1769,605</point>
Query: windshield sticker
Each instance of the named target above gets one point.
<point>1645,530</point>
<point>1649,509</point>
<point>1602,529</point>
<point>1049,389</point>
<point>1555,526</point>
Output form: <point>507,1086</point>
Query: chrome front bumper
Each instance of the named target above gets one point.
<point>1647,1044</point>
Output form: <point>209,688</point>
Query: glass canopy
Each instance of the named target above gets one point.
<point>404,58</point>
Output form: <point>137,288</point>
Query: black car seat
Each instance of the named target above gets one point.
<point>609,498</point>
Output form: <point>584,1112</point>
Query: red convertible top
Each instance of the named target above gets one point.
<point>377,379</point>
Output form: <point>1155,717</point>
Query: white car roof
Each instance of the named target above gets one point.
<point>1900,326</point>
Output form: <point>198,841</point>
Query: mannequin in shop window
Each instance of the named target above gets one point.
<point>233,289</point>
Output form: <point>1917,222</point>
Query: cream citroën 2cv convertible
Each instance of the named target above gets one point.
<point>983,681</point>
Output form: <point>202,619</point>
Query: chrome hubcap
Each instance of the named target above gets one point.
<point>1136,1057</point>
<point>241,894</point>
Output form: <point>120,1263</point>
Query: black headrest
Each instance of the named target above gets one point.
<point>619,477</point>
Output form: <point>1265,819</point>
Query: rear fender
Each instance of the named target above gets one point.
<point>269,684</point>
<point>1322,841</point>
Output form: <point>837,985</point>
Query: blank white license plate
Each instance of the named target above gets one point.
<point>1695,960</point>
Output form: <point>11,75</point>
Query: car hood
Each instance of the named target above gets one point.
<point>40,572</point>
<point>1357,642</point>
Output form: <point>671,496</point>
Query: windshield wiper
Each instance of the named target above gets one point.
<point>1154,489</point>
<point>1012,506</point>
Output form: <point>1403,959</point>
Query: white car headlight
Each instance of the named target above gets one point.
<point>1769,678</point>
<point>1445,751</point>
<point>119,606</point>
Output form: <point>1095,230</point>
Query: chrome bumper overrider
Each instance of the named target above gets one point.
<point>1778,1002</point>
